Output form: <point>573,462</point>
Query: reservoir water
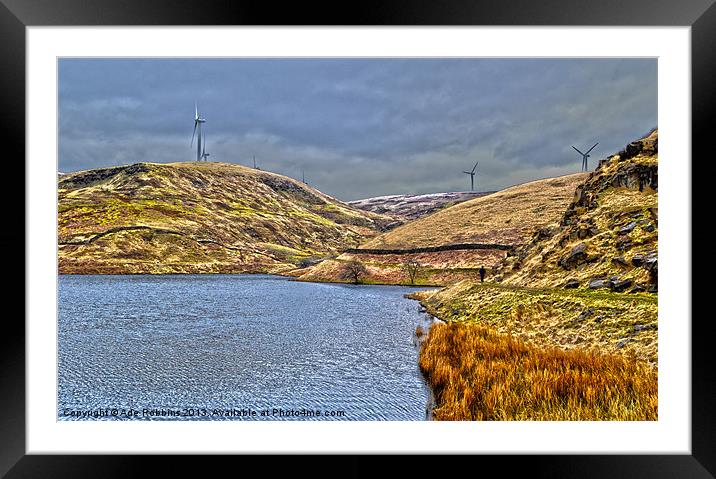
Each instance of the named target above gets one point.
<point>231,347</point>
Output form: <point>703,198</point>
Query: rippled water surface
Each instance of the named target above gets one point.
<point>213,347</point>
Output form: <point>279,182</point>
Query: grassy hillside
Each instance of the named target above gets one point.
<point>597,320</point>
<point>508,217</point>
<point>570,328</point>
<point>608,236</point>
<point>199,218</point>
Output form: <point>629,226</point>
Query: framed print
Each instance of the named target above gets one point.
<point>249,232</point>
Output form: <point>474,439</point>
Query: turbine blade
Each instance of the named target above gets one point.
<point>592,147</point>
<point>473,168</point>
<point>578,151</point>
<point>467,172</point>
<point>192,136</point>
<point>196,111</point>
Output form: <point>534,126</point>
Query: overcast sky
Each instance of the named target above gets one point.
<point>359,127</point>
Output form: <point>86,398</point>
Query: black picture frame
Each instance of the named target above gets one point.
<point>16,15</point>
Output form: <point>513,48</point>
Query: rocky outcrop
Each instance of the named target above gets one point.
<point>586,196</point>
<point>87,178</point>
<point>576,256</point>
<point>617,172</point>
<point>608,235</point>
<point>647,146</point>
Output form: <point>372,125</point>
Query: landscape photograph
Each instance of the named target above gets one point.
<point>357,239</point>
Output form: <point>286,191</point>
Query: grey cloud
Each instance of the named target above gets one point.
<point>359,127</point>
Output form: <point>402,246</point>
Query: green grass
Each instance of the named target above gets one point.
<point>588,319</point>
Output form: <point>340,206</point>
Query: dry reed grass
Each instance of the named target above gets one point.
<point>478,374</point>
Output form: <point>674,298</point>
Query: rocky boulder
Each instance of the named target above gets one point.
<point>648,145</point>
<point>636,177</point>
<point>584,314</point>
<point>620,285</point>
<point>637,260</point>
<point>627,229</point>
<point>544,233</point>
<point>575,257</point>
<point>651,261</point>
<point>620,261</point>
<point>638,288</point>
<point>598,283</point>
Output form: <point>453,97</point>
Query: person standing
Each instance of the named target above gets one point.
<point>482,274</point>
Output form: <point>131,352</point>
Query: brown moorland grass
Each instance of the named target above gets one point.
<point>478,374</point>
<point>605,321</point>
<point>509,217</point>
<point>152,218</point>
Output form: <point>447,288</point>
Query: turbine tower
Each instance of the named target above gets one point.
<point>472,176</point>
<point>197,124</point>
<point>585,156</point>
<point>204,154</point>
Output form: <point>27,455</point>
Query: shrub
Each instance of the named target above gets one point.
<point>353,271</point>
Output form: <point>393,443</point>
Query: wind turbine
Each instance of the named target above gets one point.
<point>197,124</point>
<point>472,176</point>
<point>585,156</point>
<point>204,154</point>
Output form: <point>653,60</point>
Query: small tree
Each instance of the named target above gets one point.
<point>354,271</point>
<point>411,268</point>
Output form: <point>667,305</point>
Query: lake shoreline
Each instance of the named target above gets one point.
<point>419,337</point>
<point>290,277</point>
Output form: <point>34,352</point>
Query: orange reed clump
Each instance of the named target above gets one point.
<point>478,374</point>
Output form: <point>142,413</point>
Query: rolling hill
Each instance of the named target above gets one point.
<point>199,218</point>
<point>453,243</point>
<point>411,207</point>
<point>507,217</point>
